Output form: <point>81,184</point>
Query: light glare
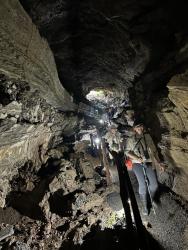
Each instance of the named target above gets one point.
<point>97,140</point>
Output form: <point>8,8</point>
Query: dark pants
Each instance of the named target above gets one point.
<point>152,178</point>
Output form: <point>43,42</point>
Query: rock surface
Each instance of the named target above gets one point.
<point>168,113</point>
<point>177,125</point>
<point>26,56</point>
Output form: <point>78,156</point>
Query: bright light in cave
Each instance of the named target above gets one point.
<point>96,94</point>
<point>97,140</point>
<point>100,95</point>
<point>108,96</point>
<point>101,121</point>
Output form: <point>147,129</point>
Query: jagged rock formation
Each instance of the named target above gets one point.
<point>61,201</point>
<point>26,56</point>
<point>165,113</point>
<point>29,126</point>
<point>29,81</point>
<point>174,119</point>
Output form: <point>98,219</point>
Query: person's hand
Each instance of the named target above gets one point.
<point>162,167</point>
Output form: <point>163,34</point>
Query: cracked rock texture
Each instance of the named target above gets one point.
<point>30,92</point>
<point>168,113</point>
<point>176,120</point>
<point>120,44</point>
<point>26,56</point>
<point>55,209</point>
<point>29,126</point>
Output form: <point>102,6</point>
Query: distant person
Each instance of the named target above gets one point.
<point>141,150</point>
<point>130,117</point>
<point>127,118</point>
<point>113,138</point>
<point>110,111</point>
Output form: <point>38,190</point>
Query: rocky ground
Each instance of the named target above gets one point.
<point>58,201</point>
<point>169,225</point>
<point>66,205</point>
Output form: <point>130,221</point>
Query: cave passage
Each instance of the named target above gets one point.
<point>93,124</point>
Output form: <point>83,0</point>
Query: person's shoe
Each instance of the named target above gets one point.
<point>155,202</point>
<point>145,210</point>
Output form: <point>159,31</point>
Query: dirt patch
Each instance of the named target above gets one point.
<point>9,216</point>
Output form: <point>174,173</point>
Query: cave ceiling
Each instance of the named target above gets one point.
<point>106,43</point>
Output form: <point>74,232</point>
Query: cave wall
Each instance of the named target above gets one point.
<point>26,56</point>
<point>31,97</point>
<point>164,111</point>
<point>176,123</point>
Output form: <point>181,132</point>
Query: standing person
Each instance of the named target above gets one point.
<point>110,111</point>
<point>126,118</point>
<point>141,150</point>
<point>130,117</point>
<point>113,138</point>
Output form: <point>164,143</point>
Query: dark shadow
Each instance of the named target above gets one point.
<point>61,204</point>
<point>50,168</point>
<point>27,202</point>
<point>110,239</point>
<point>178,198</point>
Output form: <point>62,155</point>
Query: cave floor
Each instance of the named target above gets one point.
<point>167,229</point>
<point>169,226</point>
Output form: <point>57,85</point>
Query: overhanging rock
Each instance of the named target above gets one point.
<point>27,56</point>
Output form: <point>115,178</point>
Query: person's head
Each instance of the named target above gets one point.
<point>138,127</point>
<point>130,113</point>
<point>113,129</point>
